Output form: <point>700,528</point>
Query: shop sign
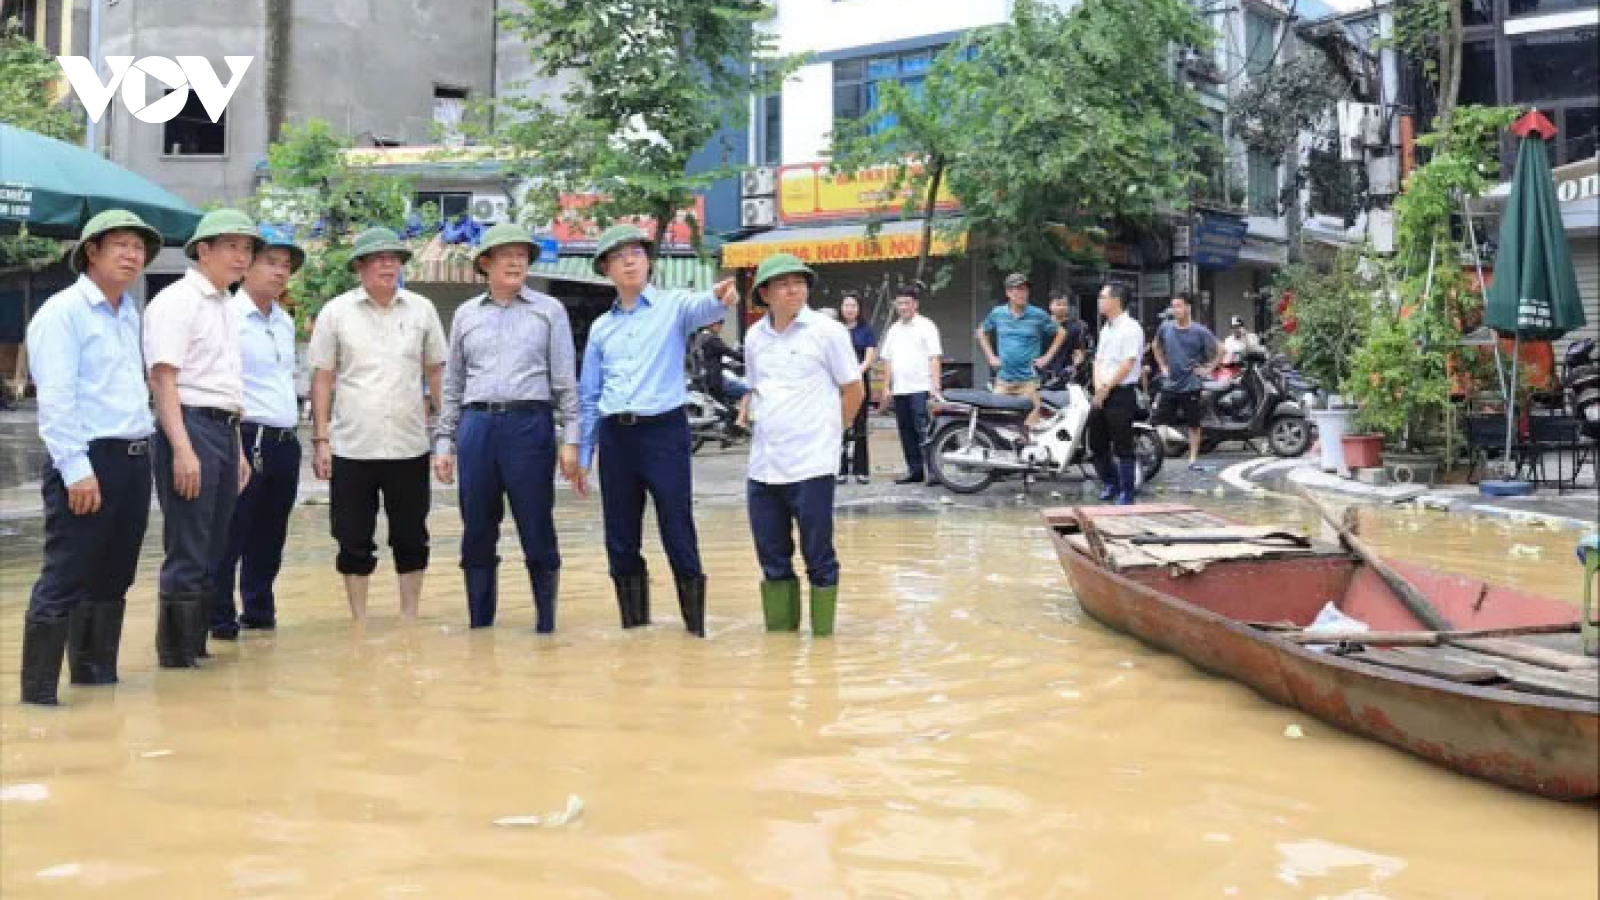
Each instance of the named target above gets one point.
<point>809,192</point>
<point>850,249</point>
<point>1217,241</point>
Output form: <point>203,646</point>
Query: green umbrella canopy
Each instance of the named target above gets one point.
<point>53,188</point>
<point>1535,292</point>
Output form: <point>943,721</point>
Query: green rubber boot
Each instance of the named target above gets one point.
<point>780,604</point>
<point>823,602</point>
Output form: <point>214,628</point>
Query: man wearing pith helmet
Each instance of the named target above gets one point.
<point>631,397</point>
<point>511,367</point>
<point>271,413</point>
<point>805,388</point>
<point>371,349</point>
<point>94,419</point>
<point>191,349</point>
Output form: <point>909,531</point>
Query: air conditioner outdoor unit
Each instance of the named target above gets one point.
<point>1383,176</point>
<point>755,212</point>
<point>761,182</point>
<point>489,209</point>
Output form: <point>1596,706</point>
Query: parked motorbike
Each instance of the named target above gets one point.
<point>712,418</point>
<point>1582,383</point>
<point>1262,401</point>
<point>980,437</point>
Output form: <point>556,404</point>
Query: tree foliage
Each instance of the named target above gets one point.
<point>647,84</point>
<point>1057,118</point>
<point>314,189</point>
<point>1328,314</point>
<point>27,83</point>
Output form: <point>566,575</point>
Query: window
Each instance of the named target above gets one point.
<point>1578,135</point>
<point>1553,66</point>
<point>772,130</point>
<point>192,133</point>
<point>449,203</point>
<point>1260,42</point>
<point>449,108</point>
<point>1538,7</point>
<point>1477,12</point>
<point>1262,179</point>
<point>1477,73</point>
<point>856,82</point>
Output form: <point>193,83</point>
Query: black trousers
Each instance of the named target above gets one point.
<point>195,532</point>
<point>357,488</point>
<point>1111,425</point>
<point>93,558</point>
<point>260,529</point>
<point>853,458</point>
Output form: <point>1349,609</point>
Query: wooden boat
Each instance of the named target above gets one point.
<point>1505,695</point>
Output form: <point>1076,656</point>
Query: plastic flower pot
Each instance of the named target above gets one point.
<point>1331,427</point>
<point>1363,451</point>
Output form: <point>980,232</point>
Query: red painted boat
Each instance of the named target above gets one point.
<point>1522,710</point>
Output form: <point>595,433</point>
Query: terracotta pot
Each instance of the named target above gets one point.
<point>1363,451</point>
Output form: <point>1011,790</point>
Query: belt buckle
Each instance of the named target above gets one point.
<point>627,418</point>
<point>138,448</point>
<point>497,408</point>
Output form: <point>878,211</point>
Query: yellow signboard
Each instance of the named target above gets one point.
<point>810,192</point>
<point>850,249</point>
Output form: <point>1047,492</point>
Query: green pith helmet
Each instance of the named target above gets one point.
<point>109,221</point>
<point>615,237</point>
<point>378,240</point>
<point>780,264</point>
<point>503,235</point>
<point>219,223</point>
<point>271,240</point>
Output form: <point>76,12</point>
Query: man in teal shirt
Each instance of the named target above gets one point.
<point>1021,331</point>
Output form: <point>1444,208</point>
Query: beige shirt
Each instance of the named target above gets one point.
<point>193,327</point>
<point>379,358</point>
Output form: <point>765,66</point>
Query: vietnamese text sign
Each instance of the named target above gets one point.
<point>853,249</point>
<point>1217,241</point>
<point>809,192</point>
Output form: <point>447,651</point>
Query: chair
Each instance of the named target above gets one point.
<point>1558,436</point>
<point>1486,439</point>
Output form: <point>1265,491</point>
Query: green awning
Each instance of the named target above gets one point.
<point>671,272</point>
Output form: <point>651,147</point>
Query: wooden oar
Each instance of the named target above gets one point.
<point>1420,638</point>
<point>1414,600</point>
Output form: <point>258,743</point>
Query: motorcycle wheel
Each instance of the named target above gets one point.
<point>1289,436</point>
<point>695,444</point>
<point>953,439</point>
<point>1148,449</point>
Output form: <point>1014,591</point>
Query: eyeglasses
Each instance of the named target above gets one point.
<point>631,252</point>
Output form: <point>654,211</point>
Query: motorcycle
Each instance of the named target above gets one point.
<point>979,437</point>
<point>1582,384</point>
<point>712,418</point>
<point>1259,402</point>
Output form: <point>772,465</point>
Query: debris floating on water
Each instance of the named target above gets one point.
<point>1525,550</point>
<point>65,870</point>
<point>155,754</point>
<point>1294,732</point>
<point>24,793</point>
<point>572,813</point>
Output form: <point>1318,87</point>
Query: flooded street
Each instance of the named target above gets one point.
<point>967,733</point>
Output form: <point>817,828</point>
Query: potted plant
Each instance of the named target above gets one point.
<point>1323,316</point>
<point>1399,380</point>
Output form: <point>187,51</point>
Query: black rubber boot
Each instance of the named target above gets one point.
<point>174,644</point>
<point>105,642</point>
<point>633,599</point>
<point>43,644</point>
<point>1128,472</point>
<point>80,643</point>
<point>1110,479</point>
<point>546,586</point>
<point>483,595</point>
<point>692,602</point>
<point>200,630</point>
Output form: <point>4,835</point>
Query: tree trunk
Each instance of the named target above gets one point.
<point>1291,210</point>
<point>280,14</point>
<point>663,213</point>
<point>1449,66</point>
<point>935,178</point>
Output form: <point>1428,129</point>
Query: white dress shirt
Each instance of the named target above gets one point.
<point>795,376</point>
<point>909,349</point>
<point>192,326</point>
<point>266,350</point>
<point>1121,339</point>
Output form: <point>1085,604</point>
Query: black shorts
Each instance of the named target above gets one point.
<point>1179,409</point>
<point>404,490</point>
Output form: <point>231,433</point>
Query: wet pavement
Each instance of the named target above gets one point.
<point>967,733</point>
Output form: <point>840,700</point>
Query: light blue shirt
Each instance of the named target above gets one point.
<point>88,368</point>
<point>266,351</point>
<point>634,359</point>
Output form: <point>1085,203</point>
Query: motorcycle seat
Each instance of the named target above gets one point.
<point>1215,386</point>
<point>987,400</point>
<point>1057,399</point>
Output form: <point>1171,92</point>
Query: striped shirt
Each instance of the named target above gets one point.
<point>520,351</point>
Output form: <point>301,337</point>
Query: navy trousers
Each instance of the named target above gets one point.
<point>650,458</point>
<point>776,510</point>
<point>195,532</point>
<point>260,528</point>
<point>93,558</point>
<point>507,456</point>
<point>911,414</point>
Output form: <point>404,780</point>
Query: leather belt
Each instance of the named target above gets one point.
<point>140,447</point>
<point>225,416</point>
<point>501,407</point>
<point>269,433</point>
<point>631,419</point>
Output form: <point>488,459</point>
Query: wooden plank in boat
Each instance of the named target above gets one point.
<point>1529,678</point>
<point>1239,531</point>
<point>1426,662</point>
<point>1121,526</point>
<point>1522,651</point>
<point>1190,554</point>
<point>1123,555</point>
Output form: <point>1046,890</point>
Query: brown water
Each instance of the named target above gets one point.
<point>967,734</point>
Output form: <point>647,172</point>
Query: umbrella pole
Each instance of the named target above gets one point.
<point>1511,402</point>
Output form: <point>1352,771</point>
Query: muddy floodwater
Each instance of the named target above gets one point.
<point>967,734</point>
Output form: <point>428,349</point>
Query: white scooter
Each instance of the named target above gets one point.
<point>979,437</point>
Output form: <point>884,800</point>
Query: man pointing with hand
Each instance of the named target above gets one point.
<point>631,395</point>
